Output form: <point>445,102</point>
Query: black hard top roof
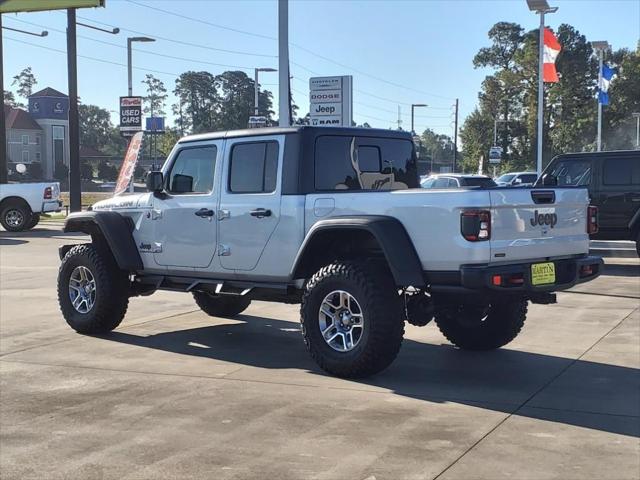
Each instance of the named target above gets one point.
<point>608,153</point>
<point>253,132</point>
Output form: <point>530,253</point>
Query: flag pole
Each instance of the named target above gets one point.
<point>540,93</point>
<point>600,62</point>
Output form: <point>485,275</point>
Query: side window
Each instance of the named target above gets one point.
<point>192,171</point>
<point>441,183</point>
<point>453,183</point>
<point>617,171</point>
<point>379,163</point>
<point>253,167</point>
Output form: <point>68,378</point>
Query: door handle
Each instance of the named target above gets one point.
<point>260,213</point>
<point>204,212</point>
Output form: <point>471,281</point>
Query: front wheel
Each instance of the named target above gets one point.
<point>482,327</point>
<point>93,293</point>
<point>352,319</point>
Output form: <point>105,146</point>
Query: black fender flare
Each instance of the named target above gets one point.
<point>114,229</point>
<point>390,234</point>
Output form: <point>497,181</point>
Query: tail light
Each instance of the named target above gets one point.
<point>592,219</point>
<point>475,225</point>
<point>48,193</point>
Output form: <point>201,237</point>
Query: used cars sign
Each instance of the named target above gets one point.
<point>130,115</point>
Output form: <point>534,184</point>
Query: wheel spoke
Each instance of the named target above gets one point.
<point>348,340</point>
<point>77,301</point>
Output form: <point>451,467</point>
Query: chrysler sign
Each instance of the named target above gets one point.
<point>330,100</point>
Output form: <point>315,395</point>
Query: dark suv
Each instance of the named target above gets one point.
<point>613,180</point>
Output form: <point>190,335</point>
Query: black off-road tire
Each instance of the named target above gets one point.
<point>374,289</point>
<point>112,290</point>
<point>35,219</point>
<point>221,306</point>
<point>12,211</point>
<point>464,326</point>
<point>638,244</point>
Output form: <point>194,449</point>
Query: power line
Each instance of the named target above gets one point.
<point>311,52</point>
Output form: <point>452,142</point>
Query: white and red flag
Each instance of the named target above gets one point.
<point>551,50</point>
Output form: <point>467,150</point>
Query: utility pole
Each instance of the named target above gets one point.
<point>75,198</point>
<point>413,107</point>
<point>284,119</point>
<point>455,139</point>
<point>3,132</point>
<point>399,117</point>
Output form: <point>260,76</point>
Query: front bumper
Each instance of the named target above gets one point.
<point>52,206</point>
<point>477,279</point>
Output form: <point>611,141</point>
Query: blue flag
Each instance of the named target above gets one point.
<point>603,87</point>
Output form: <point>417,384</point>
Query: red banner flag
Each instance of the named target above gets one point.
<point>129,164</point>
<point>552,48</point>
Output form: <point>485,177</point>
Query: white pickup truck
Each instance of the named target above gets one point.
<point>334,219</point>
<point>22,203</point>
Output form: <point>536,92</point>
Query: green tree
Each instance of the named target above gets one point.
<point>95,126</point>
<point>86,170</point>
<point>61,172</point>
<point>154,101</point>
<point>24,82</point>
<point>107,172</point>
<point>10,99</point>
<point>198,102</point>
<point>236,100</point>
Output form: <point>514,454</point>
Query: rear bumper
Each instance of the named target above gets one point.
<point>51,206</point>
<point>477,279</point>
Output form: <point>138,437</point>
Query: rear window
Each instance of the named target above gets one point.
<point>529,178</point>
<point>479,182</point>
<point>621,171</point>
<point>364,163</point>
<point>507,177</point>
<point>572,172</point>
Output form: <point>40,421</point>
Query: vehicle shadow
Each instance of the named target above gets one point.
<point>38,233</point>
<point>622,270</point>
<point>11,241</point>
<point>591,395</point>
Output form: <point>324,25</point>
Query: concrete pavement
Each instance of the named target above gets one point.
<point>173,393</point>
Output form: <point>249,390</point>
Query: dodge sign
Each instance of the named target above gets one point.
<point>330,101</point>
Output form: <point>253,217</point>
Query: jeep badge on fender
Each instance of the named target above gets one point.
<point>544,219</point>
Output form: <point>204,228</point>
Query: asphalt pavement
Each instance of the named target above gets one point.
<point>173,393</point>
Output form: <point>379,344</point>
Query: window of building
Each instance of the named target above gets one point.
<point>25,139</point>
<point>37,156</point>
<point>363,163</point>
<point>254,167</point>
<point>25,156</point>
<point>193,171</point>
<point>37,139</point>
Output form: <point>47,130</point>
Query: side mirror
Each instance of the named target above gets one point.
<point>155,182</point>
<point>549,180</point>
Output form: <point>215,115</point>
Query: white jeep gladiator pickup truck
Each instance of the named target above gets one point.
<point>331,218</point>
<point>22,203</point>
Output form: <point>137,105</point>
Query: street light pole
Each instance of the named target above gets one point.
<point>541,7</point>
<point>130,40</point>
<point>636,115</point>
<point>256,89</point>
<point>284,93</point>
<point>413,106</point>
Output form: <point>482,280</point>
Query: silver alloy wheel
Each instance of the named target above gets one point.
<point>14,217</point>
<point>82,289</point>
<point>341,321</point>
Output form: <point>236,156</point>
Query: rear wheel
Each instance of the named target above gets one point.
<point>352,319</point>
<point>15,216</point>
<point>638,244</point>
<point>35,219</point>
<point>486,327</point>
<point>92,292</point>
<point>221,306</point>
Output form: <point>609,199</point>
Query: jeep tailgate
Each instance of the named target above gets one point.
<point>537,223</point>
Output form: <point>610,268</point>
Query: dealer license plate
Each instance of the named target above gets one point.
<point>543,273</point>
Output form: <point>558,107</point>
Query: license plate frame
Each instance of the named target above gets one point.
<point>543,273</point>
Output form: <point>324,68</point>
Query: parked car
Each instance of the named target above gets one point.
<point>22,203</point>
<point>517,179</point>
<point>613,181</point>
<point>457,180</point>
<point>330,218</point>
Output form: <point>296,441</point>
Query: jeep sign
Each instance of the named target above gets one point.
<point>130,115</point>
<point>330,101</point>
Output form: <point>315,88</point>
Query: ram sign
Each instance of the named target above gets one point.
<point>330,100</point>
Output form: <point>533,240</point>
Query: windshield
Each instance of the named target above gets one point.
<point>572,172</point>
<point>479,182</point>
<point>506,178</point>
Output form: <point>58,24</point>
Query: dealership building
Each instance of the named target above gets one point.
<point>41,134</point>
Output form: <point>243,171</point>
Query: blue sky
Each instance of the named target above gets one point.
<point>399,52</point>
